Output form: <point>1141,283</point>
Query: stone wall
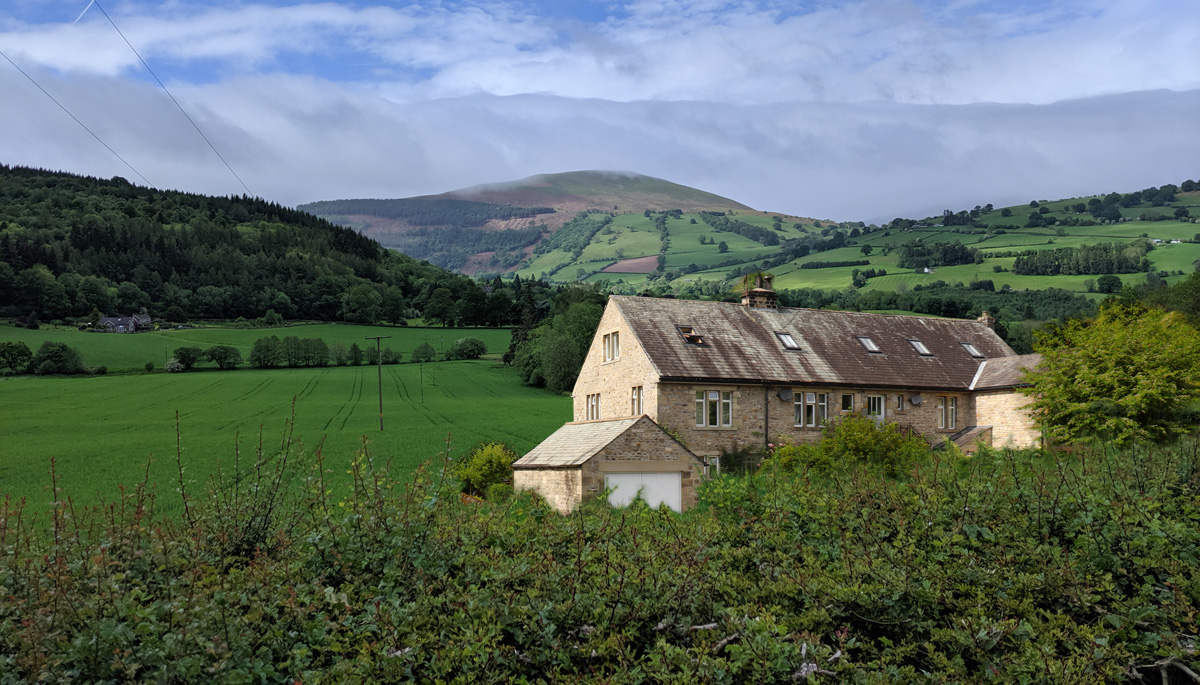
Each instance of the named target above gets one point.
<point>614,380</point>
<point>676,413</point>
<point>559,487</point>
<point>1012,423</point>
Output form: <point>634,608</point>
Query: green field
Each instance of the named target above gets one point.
<point>102,429</point>
<point>119,351</point>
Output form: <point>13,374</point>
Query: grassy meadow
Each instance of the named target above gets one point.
<point>101,430</point>
<point>635,236</point>
<point>120,352</point>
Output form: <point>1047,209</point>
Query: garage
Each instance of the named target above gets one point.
<point>584,460</point>
<point>656,489</point>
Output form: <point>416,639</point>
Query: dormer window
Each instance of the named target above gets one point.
<point>920,348</point>
<point>869,344</point>
<point>788,341</point>
<point>972,350</point>
<point>690,335</point>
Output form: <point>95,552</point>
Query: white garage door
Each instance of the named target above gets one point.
<point>655,488</point>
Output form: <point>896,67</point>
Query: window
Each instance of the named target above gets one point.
<point>635,401</point>
<point>972,350</point>
<point>812,409</point>
<point>875,407</point>
<point>690,335</point>
<point>947,412</point>
<point>899,402</point>
<point>847,402</point>
<point>714,408</point>
<point>920,348</point>
<point>593,407</point>
<point>788,341</point>
<point>869,344</point>
<point>612,347</point>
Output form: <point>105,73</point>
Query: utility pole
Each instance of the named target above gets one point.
<point>379,367</point>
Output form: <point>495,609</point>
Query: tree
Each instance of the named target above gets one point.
<point>57,358</point>
<point>362,304</point>
<point>424,353</point>
<point>1127,375</point>
<point>355,355</point>
<point>15,355</point>
<point>866,250</point>
<point>1006,212</point>
<point>722,247</point>
<point>267,352</point>
<point>224,356</point>
<point>1108,283</point>
<point>187,356</point>
<point>467,348</point>
<point>485,466</point>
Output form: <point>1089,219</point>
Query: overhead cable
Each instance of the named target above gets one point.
<point>168,92</point>
<point>64,108</point>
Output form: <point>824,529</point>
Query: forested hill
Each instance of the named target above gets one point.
<point>71,246</point>
<point>427,211</point>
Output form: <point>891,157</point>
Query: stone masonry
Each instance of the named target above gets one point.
<point>615,380</point>
<point>1012,424</point>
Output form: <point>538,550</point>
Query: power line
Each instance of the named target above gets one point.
<point>64,108</point>
<point>168,92</point>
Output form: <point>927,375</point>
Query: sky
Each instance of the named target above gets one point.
<point>855,111</point>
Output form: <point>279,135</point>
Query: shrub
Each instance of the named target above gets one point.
<point>100,370</point>
<point>188,356</point>
<point>57,358</point>
<point>391,356</point>
<point>467,348</point>
<point>499,492</point>
<point>149,367</point>
<point>15,355</point>
<point>484,467</point>
<point>423,353</point>
<point>856,441</point>
<point>175,366</point>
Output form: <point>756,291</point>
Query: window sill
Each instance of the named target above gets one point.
<point>714,428</point>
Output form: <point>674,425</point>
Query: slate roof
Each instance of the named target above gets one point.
<point>740,345</point>
<point>574,443</point>
<point>1006,372</point>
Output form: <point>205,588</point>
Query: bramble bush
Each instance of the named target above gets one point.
<point>1012,566</point>
<point>855,441</point>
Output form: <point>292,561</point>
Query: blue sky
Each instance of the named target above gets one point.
<point>850,110</point>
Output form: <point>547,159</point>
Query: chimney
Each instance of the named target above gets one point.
<point>758,293</point>
<point>987,320</point>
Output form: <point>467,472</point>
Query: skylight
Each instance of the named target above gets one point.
<point>868,344</point>
<point>972,350</point>
<point>920,348</point>
<point>690,335</point>
<point>788,341</point>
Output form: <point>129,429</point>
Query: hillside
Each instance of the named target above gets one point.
<point>494,227</point>
<point>73,246</point>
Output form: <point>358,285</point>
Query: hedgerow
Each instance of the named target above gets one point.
<point>1010,566</point>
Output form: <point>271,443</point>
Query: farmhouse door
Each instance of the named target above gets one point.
<point>655,488</point>
<point>875,405</point>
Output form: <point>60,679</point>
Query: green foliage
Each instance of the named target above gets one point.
<point>499,492</point>
<point>467,348</point>
<point>485,466</point>
<point>553,353</point>
<point>188,356</point>
<point>15,355</point>
<point>855,441</point>
<point>1102,258</point>
<point>424,353</point>
<point>1015,567</point>
<point>56,358</point>
<point>1128,375</point>
<point>224,356</point>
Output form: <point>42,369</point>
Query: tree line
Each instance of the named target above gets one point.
<point>720,222</point>
<point>1101,258</point>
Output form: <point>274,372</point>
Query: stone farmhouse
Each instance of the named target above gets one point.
<point>715,376</point>
<point>125,324</point>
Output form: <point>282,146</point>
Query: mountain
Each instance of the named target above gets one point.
<point>494,227</point>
